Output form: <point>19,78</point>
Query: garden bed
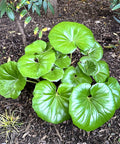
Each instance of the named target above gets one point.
<point>96,15</point>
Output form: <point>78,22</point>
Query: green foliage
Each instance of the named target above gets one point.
<point>84,93</point>
<point>72,35</point>
<point>11,81</point>
<point>9,7</point>
<point>51,104</point>
<point>91,106</point>
<point>115,6</point>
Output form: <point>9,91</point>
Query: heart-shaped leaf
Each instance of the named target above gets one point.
<point>65,37</point>
<point>90,107</point>
<point>49,104</point>
<point>35,66</point>
<point>11,81</point>
<point>114,86</point>
<point>102,73</point>
<point>94,53</point>
<point>36,47</point>
<point>63,61</point>
<point>88,66</point>
<point>54,75</point>
<point>75,76</point>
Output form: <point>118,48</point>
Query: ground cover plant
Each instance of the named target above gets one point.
<point>115,6</point>
<point>86,93</point>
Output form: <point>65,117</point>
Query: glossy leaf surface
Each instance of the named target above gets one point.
<point>11,81</point>
<point>88,66</point>
<point>65,37</point>
<point>75,76</point>
<point>54,75</point>
<point>103,72</point>
<point>94,53</point>
<point>36,47</point>
<point>63,61</point>
<point>49,104</point>
<point>114,86</point>
<point>35,66</point>
<point>90,107</point>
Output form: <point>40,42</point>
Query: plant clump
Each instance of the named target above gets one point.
<point>65,92</point>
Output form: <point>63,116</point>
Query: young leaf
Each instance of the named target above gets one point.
<point>10,14</point>
<point>36,47</point>
<point>37,10</point>
<point>102,73</point>
<point>27,2</point>
<point>36,30</point>
<point>29,6</point>
<point>40,3</point>
<point>51,7</point>
<point>88,66</point>
<point>75,76</point>
<point>35,66</point>
<point>2,4</point>
<point>90,107</point>
<point>63,61</point>
<point>40,34</point>
<point>45,6</point>
<point>114,86</point>
<point>116,7</point>
<point>54,75</point>
<point>65,37</point>
<point>3,7</point>
<point>27,20</point>
<point>2,12</point>
<point>23,13</point>
<point>22,2</point>
<point>95,53</point>
<point>50,105</point>
<point>11,81</point>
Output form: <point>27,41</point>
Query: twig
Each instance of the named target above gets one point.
<point>22,32</point>
<point>58,133</point>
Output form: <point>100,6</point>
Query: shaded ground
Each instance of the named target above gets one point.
<point>97,16</point>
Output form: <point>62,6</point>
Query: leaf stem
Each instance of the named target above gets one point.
<point>31,81</point>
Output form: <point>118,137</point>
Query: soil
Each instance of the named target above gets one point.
<point>97,16</point>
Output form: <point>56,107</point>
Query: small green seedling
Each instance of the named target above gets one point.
<point>85,93</point>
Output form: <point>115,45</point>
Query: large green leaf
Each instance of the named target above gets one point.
<point>90,107</point>
<point>36,47</point>
<point>94,53</point>
<point>11,81</point>
<point>35,66</point>
<point>49,104</point>
<point>54,75</point>
<point>102,73</point>
<point>65,37</point>
<point>114,86</point>
<point>75,76</point>
<point>63,61</point>
<point>88,66</point>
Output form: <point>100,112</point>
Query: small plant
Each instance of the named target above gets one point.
<point>115,5</point>
<point>9,7</point>
<point>85,93</point>
<point>9,123</point>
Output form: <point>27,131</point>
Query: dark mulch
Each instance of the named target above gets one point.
<point>97,16</point>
